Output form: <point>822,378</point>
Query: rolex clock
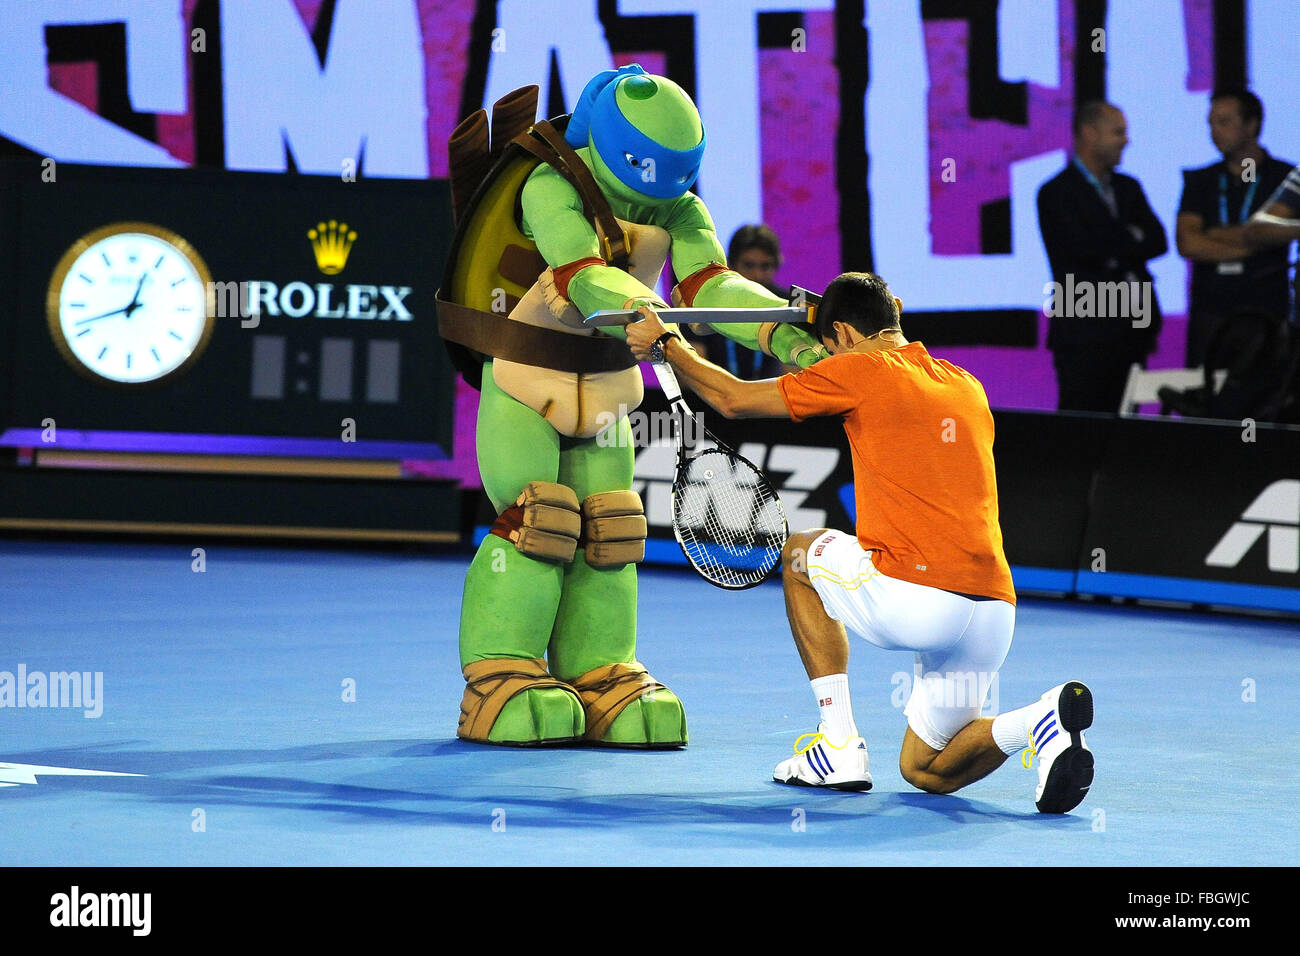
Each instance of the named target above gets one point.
<point>127,305</point>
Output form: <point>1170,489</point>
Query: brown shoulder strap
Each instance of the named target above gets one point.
<point>545,142</point>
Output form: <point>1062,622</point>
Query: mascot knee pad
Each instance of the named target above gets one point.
<point>544,522</point>
<point>614,529</point>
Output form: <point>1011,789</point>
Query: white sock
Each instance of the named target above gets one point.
<point>832,693</point>
<point>1011,730</point>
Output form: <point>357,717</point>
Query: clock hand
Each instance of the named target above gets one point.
<point>135,299</point>
<point>96,318</point>
<point>126,310</point>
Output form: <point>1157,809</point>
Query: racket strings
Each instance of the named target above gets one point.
<point>728,518</point>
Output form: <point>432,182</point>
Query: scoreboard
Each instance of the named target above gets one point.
<point>184,349</point>
<point>299,302</point>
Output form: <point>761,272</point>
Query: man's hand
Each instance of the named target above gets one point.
<point>1276,224</point>
<point>1202,243</point>
<point>1226,233</point>
<point>724,392</point>
<point>643,334</point>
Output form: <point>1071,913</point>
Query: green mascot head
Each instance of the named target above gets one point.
<point>645,135</point>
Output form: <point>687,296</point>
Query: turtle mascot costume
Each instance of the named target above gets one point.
<point>555,221</point>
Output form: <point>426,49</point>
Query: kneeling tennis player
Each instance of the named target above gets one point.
<point>925,571</point>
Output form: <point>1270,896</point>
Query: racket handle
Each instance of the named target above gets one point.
<point>668,382</point>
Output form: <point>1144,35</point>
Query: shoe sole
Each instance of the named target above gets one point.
<point>606,744</point>
<point>1071,774</point>
<point>853,786</point>
<point>524,744</point>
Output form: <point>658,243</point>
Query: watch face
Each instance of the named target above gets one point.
<point>128,304</point>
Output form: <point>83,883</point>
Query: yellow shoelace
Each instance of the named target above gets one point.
<point>811,743</point>
<point>1029,753</point>
<point>819,736</point>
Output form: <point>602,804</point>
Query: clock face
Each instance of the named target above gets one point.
<point>128,304</point>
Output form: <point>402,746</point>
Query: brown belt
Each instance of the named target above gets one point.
<point>493,334</point>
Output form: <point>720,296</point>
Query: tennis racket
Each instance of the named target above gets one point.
<point>727,517</point>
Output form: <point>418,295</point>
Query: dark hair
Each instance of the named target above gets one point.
<point>1248,104</point>
<point>1088,113</point>
<point>754,237</point>
<point>860,299</point>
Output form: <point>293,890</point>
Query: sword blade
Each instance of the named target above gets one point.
<point>607,317</point>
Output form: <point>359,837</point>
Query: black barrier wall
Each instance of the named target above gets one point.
<point>1197,512</point>
<point>1206,512</point>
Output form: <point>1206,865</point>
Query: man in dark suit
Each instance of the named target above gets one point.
<point>1100,232</point>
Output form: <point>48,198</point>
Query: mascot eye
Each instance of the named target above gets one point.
<point>632,160</point>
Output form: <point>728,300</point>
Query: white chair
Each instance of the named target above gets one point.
<point>1143,384</point>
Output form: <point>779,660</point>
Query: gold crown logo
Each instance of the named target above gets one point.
<point>331,244</point>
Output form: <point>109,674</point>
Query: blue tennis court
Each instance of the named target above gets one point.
<point>224,691</point>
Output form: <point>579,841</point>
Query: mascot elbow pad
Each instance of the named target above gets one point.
<point>687,289</point>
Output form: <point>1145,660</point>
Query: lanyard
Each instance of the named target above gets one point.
<point>754,359</point>
<point>1245,203</point>
<point>1107,198</point>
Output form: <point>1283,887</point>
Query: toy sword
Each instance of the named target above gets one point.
<point>710,316</point>
<point>792,313</point>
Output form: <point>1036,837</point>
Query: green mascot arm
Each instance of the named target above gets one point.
<point>553,218</point>
<point>696,247</point>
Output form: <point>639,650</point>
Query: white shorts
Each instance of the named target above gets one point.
<point>959,643</point>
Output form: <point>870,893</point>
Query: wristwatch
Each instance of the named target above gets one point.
<point>657,347</point>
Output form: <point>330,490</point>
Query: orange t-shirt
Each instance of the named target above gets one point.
<point>922,440</point>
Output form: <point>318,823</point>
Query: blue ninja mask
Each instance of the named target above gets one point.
<point>639,162</point>
<point>580,122</point>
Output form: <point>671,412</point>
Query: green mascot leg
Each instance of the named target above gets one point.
<point>509,602</point>
<point>595,624</point>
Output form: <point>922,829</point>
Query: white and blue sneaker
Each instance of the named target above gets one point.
<point>817,762</point>
<point>1056,739</point>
